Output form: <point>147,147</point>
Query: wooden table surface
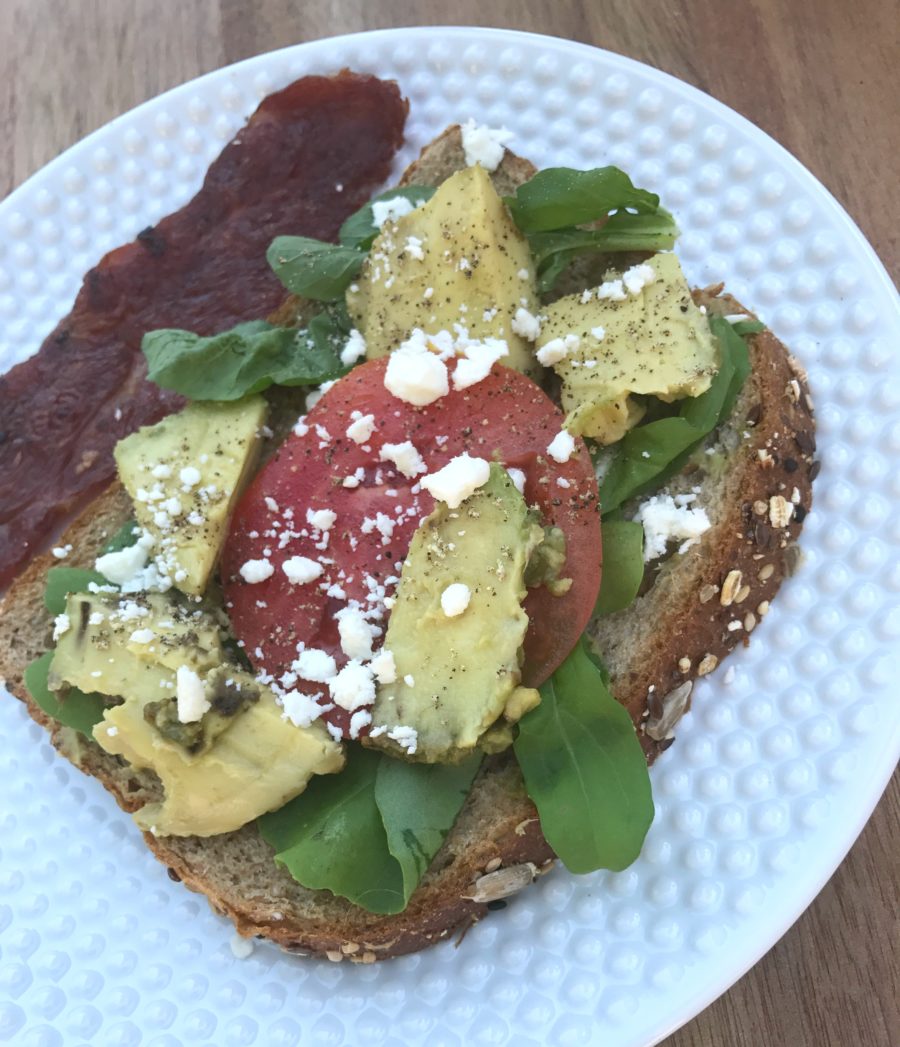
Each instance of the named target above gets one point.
<point>820,76</point>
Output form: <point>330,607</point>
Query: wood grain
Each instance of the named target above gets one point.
<point>821,77</point>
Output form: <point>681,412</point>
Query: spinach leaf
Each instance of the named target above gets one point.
<point>553,251</point>
<point>360,230</point>
<point>77,709</point>
<point>649,454</point>
<point>369,832</point>
<point>418,804</point>
<point>747,327</point>
<point>247,359</point>
<point>312,268</point>
<point>561,196</point>
<point>122,539</point>
<point>623,565</point>
<point>585,770</point>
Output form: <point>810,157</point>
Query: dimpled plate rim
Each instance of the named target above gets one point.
<point>773,777</point>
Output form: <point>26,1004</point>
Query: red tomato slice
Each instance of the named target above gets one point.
<point>505,417</point>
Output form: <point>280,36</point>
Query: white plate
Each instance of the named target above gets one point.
<point>773,774</point>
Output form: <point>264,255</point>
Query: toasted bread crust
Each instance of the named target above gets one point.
<point>684,617</point>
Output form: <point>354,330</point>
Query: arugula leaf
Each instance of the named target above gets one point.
<point>585,770</point>
<point>247,359</point>
<point>651,453</point>
<point>562,196</point>
<point>64,580</point>
<point>77,709</point>
<point>748,327</point>
<point>623,565</point>
<point>313,268</point>
<point>418,804</point>
<point>360,230</point>
<point>369,832</point>
<point>554,251</point>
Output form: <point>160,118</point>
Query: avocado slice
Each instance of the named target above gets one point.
<point>184,475</point>
<point>234,759</point>
<point>458,259</point>
<point>652,341</point>
<point>457,676</point>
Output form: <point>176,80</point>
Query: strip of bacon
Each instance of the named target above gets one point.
<point>308,157</point>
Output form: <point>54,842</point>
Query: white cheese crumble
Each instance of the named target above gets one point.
<point>666,521</point>
<point>409,680</point>
<point>62,551</point>
<point>189,476</point>
<point>518,478</point>
<point>383,666</point>
<point>241,948</point>
<point>142,636</point>
<point>478,359</point>
<point>598,332</point>
<point>61,625</point>
<point>561,447</point>
<point>190,695</point>
<point>254,571</point>
<point>458,479</point>
<point>354,348</point>
<point>120,566</point>
<point>299,570</point>
<point>361,718</point>
<point>414,248</point>
<point>611,290</point>
<point>315,665</point>
<point>353,687</point>
<point>405,456</point>
<point>356,633</point>
<point>637,277</point>
<point>361,428</point>
<point>455,599</point>
<point>301,709</point>
<point>390,210</point>
<point>406,737</point>
<point>414,374</point>
<point>321,519</point>
<point>557,349</point>
<point>484,145</point>
<point>526,324</point>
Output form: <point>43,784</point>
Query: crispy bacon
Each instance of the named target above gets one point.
<point>309,156</point>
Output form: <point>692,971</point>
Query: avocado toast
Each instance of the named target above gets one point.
<point>679,627</point>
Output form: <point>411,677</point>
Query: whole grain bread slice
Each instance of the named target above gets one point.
<point>755,487</point>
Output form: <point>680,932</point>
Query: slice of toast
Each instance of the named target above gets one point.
<point>755,490</point>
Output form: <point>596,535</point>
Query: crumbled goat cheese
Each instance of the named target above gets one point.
<point>612,290</point>
<point>405,456</point>
<point>458,479</point>
<point>254,571</point>
<point>119,567</point>
<point>189,477</point>
<point>354,348</point>
<point>409,680</point>
<point>484,145</point>
<point>526,324</point>
<point>414,248</point>
<point>142,636</point>
<point>664,520</point>
<point>190,695</point>
<point>62,551</point>
<point>598,332</point>
<point>557,349</point>
<point>299,570</point>
<point>406,737</point>
<point>356,633</point>
<point>241,948</point>
<point>353,687</point>
<point>321,519</point>
<point>300,427</point>
<point>361,428</point>
<point>455,599</point>
<point>518,478</point>
<point>301,709</point>
<point>383,666</point>
<point>479,358</point>
<point>414,374</point>
<point>315,665</point>
<point>637,277</point>
<point>561,447</point>
<point>61,625</point>
<point>390,210</point>
<point>360,719</point>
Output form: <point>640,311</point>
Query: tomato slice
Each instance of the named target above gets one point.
<point>505,417</point>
